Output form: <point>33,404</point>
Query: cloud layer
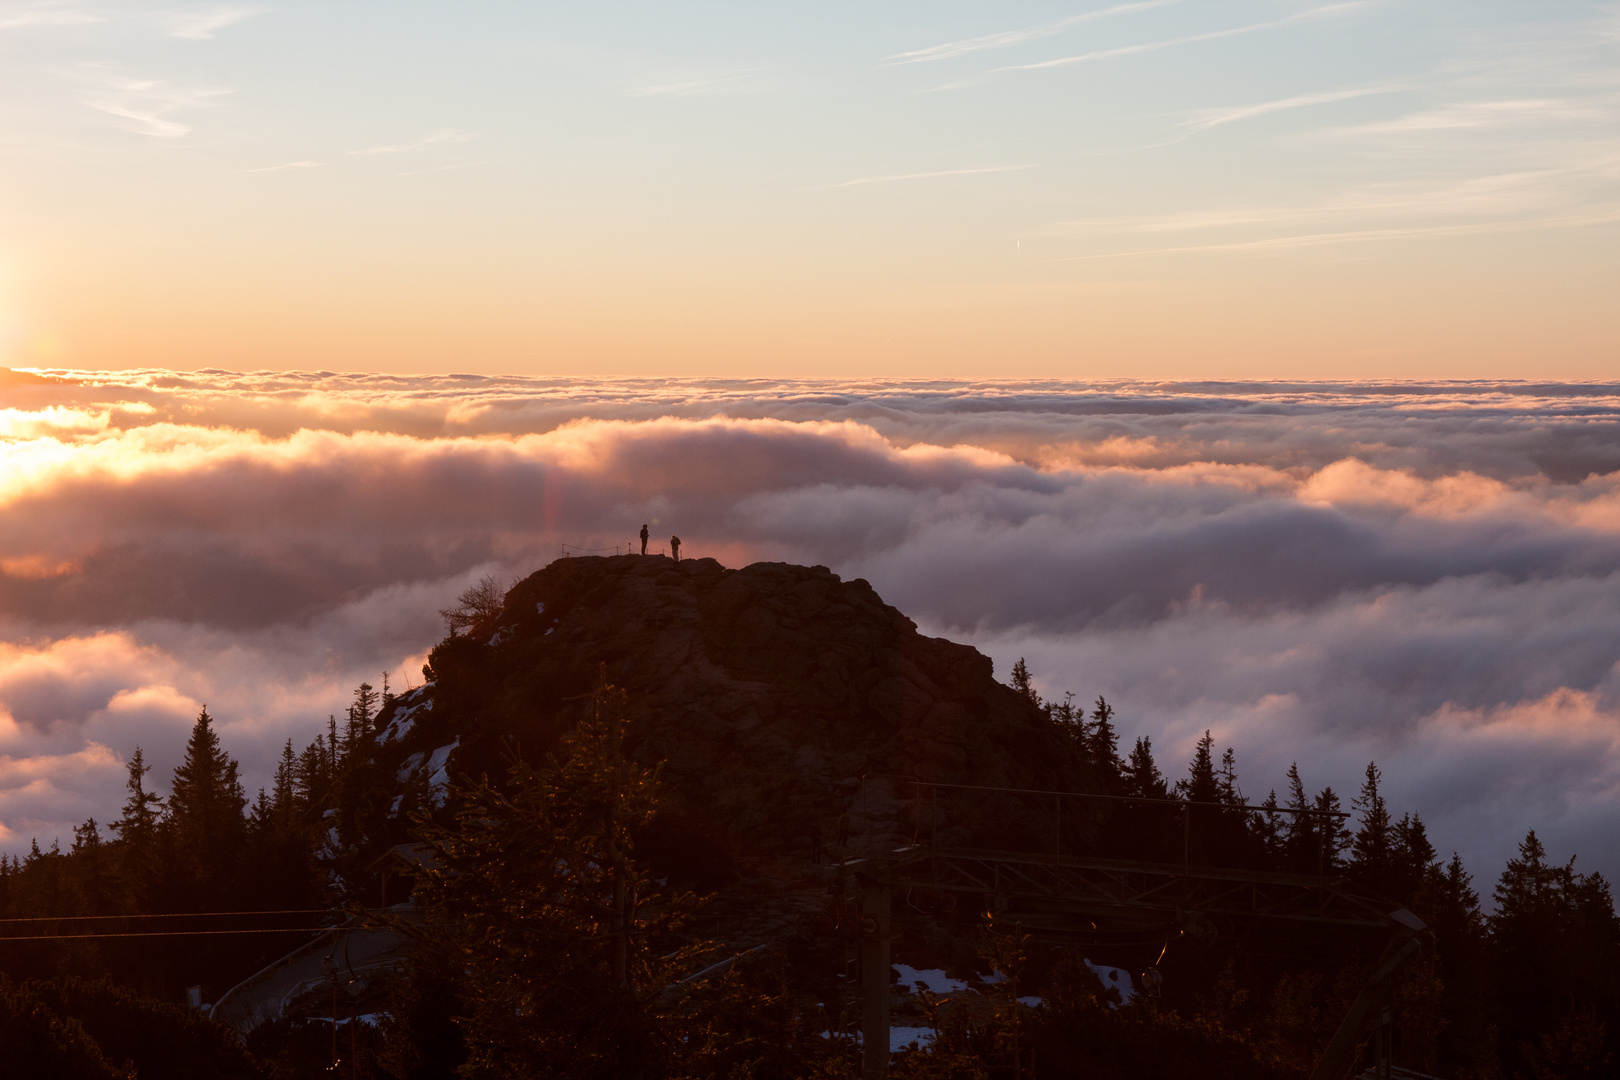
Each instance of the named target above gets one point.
<point>1428,575</point>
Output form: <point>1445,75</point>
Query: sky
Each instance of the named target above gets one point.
<point>1169,189</point>
<point>1422,574</point>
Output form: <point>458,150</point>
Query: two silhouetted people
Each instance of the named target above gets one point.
<point>675,547</point>
<point>644,539</point>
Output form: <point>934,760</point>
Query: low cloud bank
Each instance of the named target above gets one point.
<point>1426,575</point>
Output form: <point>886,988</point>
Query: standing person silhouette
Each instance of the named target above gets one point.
<point>644,539</point>
<point>675,547</point>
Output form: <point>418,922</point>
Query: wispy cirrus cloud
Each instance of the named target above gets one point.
<point>1007,38</point>
<point>62,13</point>
<point>288,165</point>
<point>1361,236</point>
<point>894,177</point>
<point>724,82</point>
<point>195,24</point>
<point>144,105</point>
<point>1204,119</point>
<point>1473,115</point>
<point>202,24</point>
<point>1329,11</point>
<point>436,138</point>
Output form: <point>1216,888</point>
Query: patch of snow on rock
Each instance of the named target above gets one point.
<point>1114,978</point>
<point>409,767</point>
<point>403,721</point>
<point>438,768</point>
<point>933,979</point>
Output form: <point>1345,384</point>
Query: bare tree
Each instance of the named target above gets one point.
<point>479,602</point>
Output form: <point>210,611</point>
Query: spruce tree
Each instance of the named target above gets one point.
<point>1301,838</point>
<point>142,808</point>
<point>361,713</point>
<point>1102,747</point>
<point>206,804</point>
<point>1230,793</point>
<point>1200,784</point>
<point>284,796</point>
<point>1372,849</point>
<point>1334,837</point>
<point>1021,684</point>
<point>1413,859</point>
<point>137,828</point>
<point>1141,773</point>
<point>562,933</point>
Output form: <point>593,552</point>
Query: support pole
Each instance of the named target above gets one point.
<point>875,983</point>
<point>1335,1062</point>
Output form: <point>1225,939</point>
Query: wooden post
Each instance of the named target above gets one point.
<point>875,984</point>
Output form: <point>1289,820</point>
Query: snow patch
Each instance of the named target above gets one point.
<point>899,1037</point>
<point>409,767</point>
<point>933,979</point>
<point>438,768</point>
<point>1114,978</point>
<point>404,719</point>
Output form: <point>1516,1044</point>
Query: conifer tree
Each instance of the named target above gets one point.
<point>1069,720</point>
<point>1268,829</point>
<point>1412,857</point>
<point>206,804</point>
<point>1141,773</point>
<point>1371,850</point>
<point>559,926</point>
<point>361,713</point>
<point>1301,838</point>
<point>142,808</point>
<point>137,830</point>
<point>1335,838</point>
<point>1102,747</point>
<point>1200,783</point>
<point>284,796</point>
<point>314,778</point>
<point>1020,682</point>
<point>1230,793</point>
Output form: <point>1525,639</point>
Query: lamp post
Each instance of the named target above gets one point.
<point>329,969</point>
<point>355,988</point>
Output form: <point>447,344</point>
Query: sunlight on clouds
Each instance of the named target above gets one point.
<point>1333,571</point>
<point>1351,482</point>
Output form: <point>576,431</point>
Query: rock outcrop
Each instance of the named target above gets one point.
<point>789,706</point>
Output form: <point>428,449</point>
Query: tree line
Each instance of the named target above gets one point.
<point>1530,987</point>
<point>547,948</point>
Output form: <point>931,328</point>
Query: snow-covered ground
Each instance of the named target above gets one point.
<point>933,979</point>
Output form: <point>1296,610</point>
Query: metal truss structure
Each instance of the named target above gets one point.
<point>1117,890</point>
<point>1057,893</point>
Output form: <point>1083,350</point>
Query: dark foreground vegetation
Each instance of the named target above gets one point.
<point>551,944</point>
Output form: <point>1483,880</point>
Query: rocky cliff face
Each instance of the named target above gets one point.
<point>788,705</point>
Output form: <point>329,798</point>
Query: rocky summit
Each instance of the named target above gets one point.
<point>789,707</point>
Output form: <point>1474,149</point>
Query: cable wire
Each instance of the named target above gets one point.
<point>173,933</point>
<point>167,915</point>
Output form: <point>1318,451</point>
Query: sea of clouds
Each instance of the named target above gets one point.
<point>1425,575</point>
